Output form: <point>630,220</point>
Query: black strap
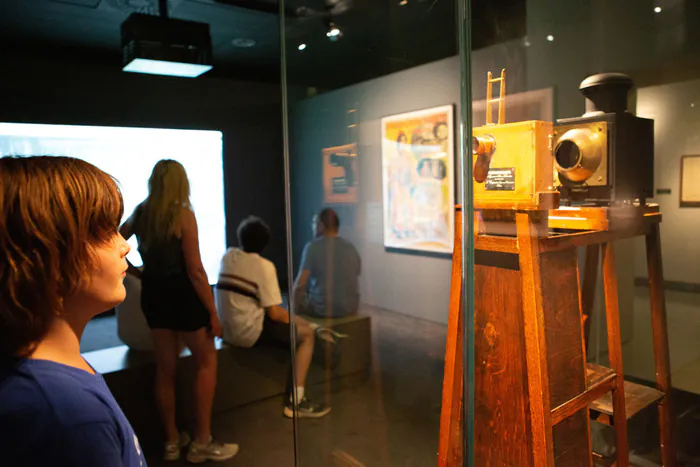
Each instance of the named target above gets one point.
<point>237,289</point>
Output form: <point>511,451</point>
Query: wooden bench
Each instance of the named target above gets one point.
<point>244,375</point>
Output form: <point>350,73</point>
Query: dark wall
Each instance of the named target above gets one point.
<point>248,114</point>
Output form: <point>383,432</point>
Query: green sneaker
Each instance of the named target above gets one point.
<point>306,409</point>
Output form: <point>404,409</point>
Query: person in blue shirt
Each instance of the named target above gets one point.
<point>327,283</point>
<point>62,262</point>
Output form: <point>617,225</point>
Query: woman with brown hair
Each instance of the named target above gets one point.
<point>62,261</point>
<point>178,302</point>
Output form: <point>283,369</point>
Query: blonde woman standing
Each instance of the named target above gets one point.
<point>177,301</point>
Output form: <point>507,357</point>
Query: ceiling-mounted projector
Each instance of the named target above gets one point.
<point>165,46</point>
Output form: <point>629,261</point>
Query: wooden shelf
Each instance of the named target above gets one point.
<point>637,398</point>
<point>596,373</point>
<point>602,461</point>
<point>600,381</point>
<point>599,218</point>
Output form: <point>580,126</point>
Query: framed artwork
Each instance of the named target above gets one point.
<point>340,174</point>
<point>690,189</point>
<point>418,180</point>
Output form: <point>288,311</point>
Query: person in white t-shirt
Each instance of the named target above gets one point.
<point>249,304</point>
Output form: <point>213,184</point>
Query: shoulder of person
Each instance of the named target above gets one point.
<point>135,216</point>
<point>187,214</point>
<point>22,394</point>
<point>231,252</point>
<point>267,265</point>
<point>315,243</point>
<point>229,259</point>
<point>73,399</point>
<point>258,264</point>
<point>347,242</point>
<point>57,395</point>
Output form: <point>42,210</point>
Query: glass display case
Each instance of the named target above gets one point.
<point>565,334</point>
<point>378,135</point>
<point>452,232</point>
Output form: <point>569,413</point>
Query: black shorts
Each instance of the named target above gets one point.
<point>170,302</point>
<point>275,334</point>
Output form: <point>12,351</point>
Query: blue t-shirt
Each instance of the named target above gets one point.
<point>60,416</point>
<point>334,267</point>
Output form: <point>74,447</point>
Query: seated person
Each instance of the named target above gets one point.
<point>248,301</point>
<point>327,283</point>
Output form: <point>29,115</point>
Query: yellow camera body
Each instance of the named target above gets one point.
<point>516,166</point>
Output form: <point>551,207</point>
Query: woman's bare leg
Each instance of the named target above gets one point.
<point>165,345</point>
<point>202,346</point>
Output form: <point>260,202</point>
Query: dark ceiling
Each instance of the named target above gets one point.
<point>379,36</point>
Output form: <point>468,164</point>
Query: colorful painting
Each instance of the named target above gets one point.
<point>418,180</point>
<point>340,174</point>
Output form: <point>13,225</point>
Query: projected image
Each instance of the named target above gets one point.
<point>129,155</point>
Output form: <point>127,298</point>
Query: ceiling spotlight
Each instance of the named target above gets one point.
<point>334,32</point>
<point>243,43</point>
<point>301,46</point>
<point>550,38</point>
<point>403,2</point>
<point>657,9</point>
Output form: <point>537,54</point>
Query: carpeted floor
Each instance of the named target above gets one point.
<point>391,419</point>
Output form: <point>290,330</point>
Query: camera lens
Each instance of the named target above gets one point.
<point>475,145</point>
<point>578,154</point>
<point>567,154</point>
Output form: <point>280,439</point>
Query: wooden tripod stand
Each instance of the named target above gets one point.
<point>535,394</point>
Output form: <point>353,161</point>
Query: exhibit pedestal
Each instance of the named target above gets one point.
<point>534,393</point>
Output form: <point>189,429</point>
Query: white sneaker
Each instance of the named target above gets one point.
<point>213,451</point>
<point>172,450</point>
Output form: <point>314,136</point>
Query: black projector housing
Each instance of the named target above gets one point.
<point>626,170</point>
<point>165,39</point>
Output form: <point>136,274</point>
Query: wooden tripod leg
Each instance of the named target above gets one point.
<point>535,342</point>
<point>450,445</point>
<point>660,334</point>
<point>584,349</point>
<point>590,281</point>
<point>612,314</point>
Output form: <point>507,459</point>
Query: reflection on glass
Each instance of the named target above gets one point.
<point>249,303</point>
<point>418,180</point>
<point>327,283</point>
<point>614,166</point>
<point>382,281</point>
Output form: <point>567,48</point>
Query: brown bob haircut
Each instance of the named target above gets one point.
<point>52,210</point>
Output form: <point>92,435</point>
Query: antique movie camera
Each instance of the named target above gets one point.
<point>605,156</point>
<point>512,161</point>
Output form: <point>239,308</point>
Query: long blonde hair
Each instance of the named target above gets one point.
<point>168,195</point>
